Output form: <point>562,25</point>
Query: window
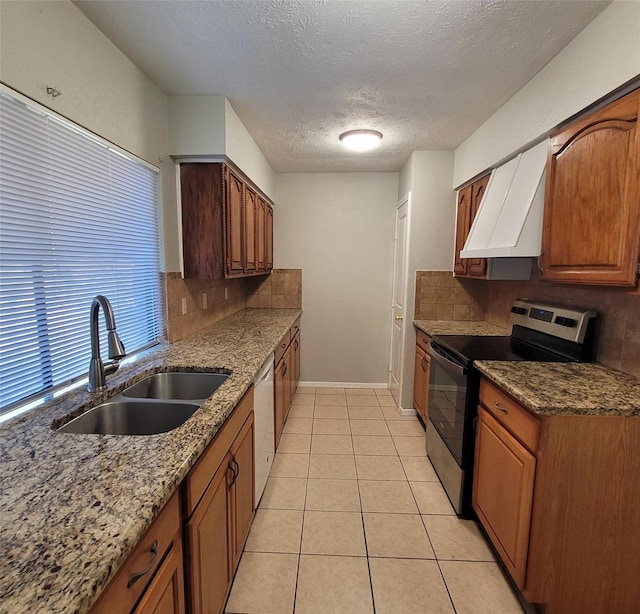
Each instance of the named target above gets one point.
<point>78,217</point>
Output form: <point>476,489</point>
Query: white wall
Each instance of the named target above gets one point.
<point>243,151</point>
<point>53,43</point>
<point>605,55</point>
<point>197,125</point>
<point>339,228</point>
<point>428,176</point>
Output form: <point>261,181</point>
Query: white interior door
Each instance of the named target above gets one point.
<point>399,299</point>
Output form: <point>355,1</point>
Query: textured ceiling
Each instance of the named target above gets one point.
<point>298,73</point>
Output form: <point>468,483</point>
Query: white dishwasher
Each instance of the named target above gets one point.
<point>263,426</point>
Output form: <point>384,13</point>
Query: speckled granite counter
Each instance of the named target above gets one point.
<point>566,388</point>
<point>451,327</point>
<point>74,506</point>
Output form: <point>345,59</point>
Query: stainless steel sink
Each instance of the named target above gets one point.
<point>122,417</point>
<point>177,385</point>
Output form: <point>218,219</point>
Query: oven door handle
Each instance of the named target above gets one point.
<point>437,355</point>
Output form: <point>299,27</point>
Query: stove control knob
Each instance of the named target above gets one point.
<point>518,310</point>
<point>568,322</point>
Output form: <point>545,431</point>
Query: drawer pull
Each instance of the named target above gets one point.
<point>423,362</point>
<point>136,576</point>
<point>501,407</point>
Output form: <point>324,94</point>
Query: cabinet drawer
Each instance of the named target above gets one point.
<point>510,414</point>
<point>203,471</point>
<point>284,343</point>
<point>423,340</point>
<point>125,589</point>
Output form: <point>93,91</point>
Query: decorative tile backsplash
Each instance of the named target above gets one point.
<point>617,326</point>
<point>440,296</point>
<point>283,288</point>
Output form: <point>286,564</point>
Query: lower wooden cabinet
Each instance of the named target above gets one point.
<point>503,492</point>
<point>557,497</point>
<point>219,524</point>
<point>286,376</point>
<point>421,369</point>
<point>208,547</point>
<point>165,594</point>
<point>138,579</point>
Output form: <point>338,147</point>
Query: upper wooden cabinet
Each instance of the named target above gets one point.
<point>591,228</point>
<point>227,226</point>
<point>469,199</point>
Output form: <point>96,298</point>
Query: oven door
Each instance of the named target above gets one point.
<point>448,384</point>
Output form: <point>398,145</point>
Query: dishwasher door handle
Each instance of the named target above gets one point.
<point>438,356</point>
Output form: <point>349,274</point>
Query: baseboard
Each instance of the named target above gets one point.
<point>408,412</point>
<point>341,385</point>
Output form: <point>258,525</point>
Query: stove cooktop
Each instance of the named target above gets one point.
<point>467,348</point>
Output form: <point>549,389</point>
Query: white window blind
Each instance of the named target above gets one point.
<point>77,218</point>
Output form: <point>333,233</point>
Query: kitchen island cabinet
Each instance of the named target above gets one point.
<point>591,224</point>
<point>557,496</point>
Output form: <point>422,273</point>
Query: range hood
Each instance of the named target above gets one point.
<point>509,220</point>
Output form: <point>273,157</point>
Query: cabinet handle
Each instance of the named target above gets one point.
<point>297,344</point>
<point>136,576</point>
<point>235,462</point>
<point>284,368</point>
<point>233,471</point>
<point>422,363</point>
<point>501,407</point>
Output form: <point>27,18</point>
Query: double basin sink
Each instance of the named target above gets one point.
<point>156,404</point>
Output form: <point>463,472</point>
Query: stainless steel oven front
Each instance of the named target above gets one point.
<point>450,436</point>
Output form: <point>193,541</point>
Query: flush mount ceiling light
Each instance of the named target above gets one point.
<point>361,140</point>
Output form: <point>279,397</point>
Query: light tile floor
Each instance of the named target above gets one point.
<point>354,519</point>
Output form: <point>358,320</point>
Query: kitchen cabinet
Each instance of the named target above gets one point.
<point>226,223</point>
<point>591,226</point>
<point>151,570</point>
<point>503,492</point>
<point>421,369</point>
<point>469,199</point>
<point>219,504</point>
<point>250,230</point>
<point>286,376</point>
<point>165,594</point>
<point>556,496</point>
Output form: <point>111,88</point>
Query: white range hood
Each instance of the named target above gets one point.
<point>509,220</point>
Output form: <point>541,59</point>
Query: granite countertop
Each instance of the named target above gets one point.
<point>451,327</point>
<point>554,388</point>
<point>74,506</point>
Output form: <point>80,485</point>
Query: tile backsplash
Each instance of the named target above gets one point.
<point>282,288</point>
<point>440,296</point>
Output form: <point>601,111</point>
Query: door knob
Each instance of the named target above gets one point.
<point>399,318</point>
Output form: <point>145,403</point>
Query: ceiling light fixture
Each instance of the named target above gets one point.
<point>361,140</point>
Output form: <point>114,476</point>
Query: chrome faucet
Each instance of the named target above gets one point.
<point>98,370</point>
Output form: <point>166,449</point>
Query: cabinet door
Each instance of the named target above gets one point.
<point>261,235</point>
<point>209,573</point>
<point>165,594</point>
<point>250,230</point>
<point>477,267</point>
<point>462,229</point>
<point>503,480</point>
<point>279,398</point>
<point>419,383</point>
<point>591,224</point>
<point>242,491</point>
<point>269,238</point>
<point>288,380</point>
<point>295,348</point>
<point>234,224</point>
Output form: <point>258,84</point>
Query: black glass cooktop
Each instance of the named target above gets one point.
<point>467,348</point>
